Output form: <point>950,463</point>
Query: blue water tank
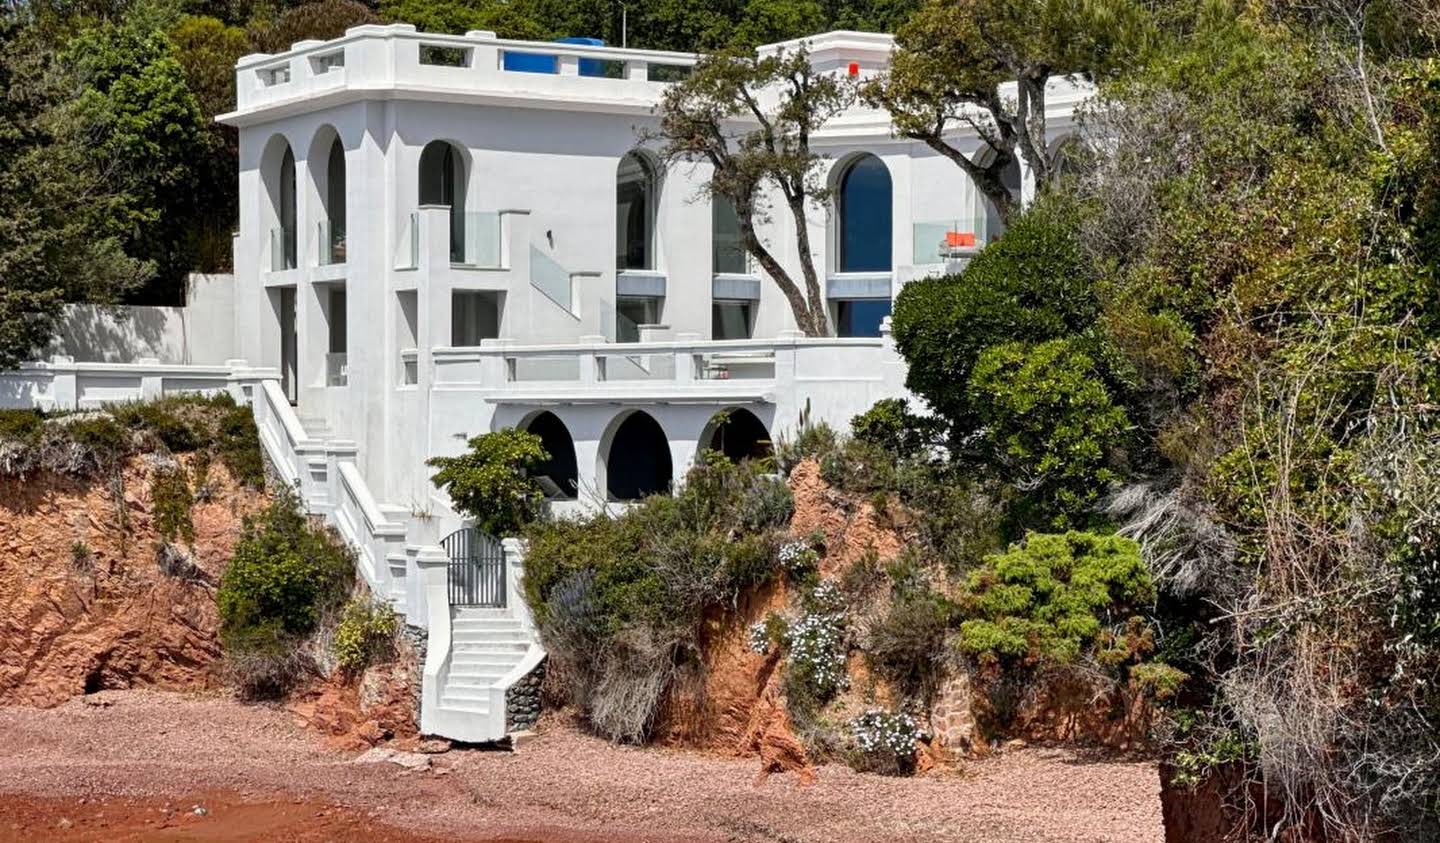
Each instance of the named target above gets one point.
<point>543,63</point>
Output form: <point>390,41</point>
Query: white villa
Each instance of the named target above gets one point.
<point>441,236</point>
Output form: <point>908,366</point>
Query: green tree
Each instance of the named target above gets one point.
<point>954,56</point>
<point>490,482</point>
<point>60,230</point>
<point>755,142</point>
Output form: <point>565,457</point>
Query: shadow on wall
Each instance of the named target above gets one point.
<point>201,332</point>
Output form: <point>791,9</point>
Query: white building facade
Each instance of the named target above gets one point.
<point>441,236</point>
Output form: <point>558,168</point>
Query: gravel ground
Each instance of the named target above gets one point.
<point>261,777</point>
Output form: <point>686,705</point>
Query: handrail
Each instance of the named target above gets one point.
<point>654,347</point>
<point>280,406</point>
<point>376,522</point>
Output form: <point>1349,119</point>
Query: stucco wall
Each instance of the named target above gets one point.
<point>202,332</point>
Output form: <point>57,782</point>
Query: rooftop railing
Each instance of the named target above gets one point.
<point>397,56</point>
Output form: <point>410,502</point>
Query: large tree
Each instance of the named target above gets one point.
<point>752,119</point>
<point>61,220</point>
<point>956,59</point>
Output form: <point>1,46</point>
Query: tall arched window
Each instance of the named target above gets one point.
<point>635,197</point>
<point>442,182</point>
<point>637,463</point>
<point>863,202</point>
<point>287,241</point>
<point>333,244</point>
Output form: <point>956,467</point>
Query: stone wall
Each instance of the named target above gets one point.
<point>522,701</point>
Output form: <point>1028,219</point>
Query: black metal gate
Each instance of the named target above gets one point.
<point>477,568</point>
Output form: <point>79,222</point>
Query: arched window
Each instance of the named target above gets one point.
<point>332,245</point>
<point>863,201</point>
<point>442,182</point>
<point>635,198</point>
<point>286,241</point>
<point>637,463</point>
<point>558,475</point>
<point>738,434</point>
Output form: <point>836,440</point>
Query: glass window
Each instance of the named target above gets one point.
<point>337,320</point>
<point>860,317</point>
<point>728,255</point>
<point>732,320</point>
<point>287,209</point>
<point>442,182</point>
<point>634,214</point>
<point>633,311</point>
<point>474,316</point>
<point>865,217</point>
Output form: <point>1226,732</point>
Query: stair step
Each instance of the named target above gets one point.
<point>466,695</point>
<point>470,683</point>
<point>473,665</point>
<point>482,614</point>
<point>501,624</point>
<point>468,708</point>
<point>501,636</point>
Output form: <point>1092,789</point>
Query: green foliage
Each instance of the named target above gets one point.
<point>892,426</point>
<point>286,573</point>
<point>619,600</point>
<point>490,482</point>
<point>366,632</point>
<point>906,645</point>
<point>1032,285</point>
<point>170,504</point>
<point>1050,598</point>
<point>1051,424</point>
<point>22,427</point>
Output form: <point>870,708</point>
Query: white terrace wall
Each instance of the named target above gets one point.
<point>202,332</point>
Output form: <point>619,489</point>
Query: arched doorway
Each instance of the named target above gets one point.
<point>637,462</point>
<point>332,241</point>
<point>559,475</point>
<point>738,434</point>
<point>442,182</point>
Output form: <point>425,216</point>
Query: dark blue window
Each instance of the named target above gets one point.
<point>865,214</point>
<point>860,317</point>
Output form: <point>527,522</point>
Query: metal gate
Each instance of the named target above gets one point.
<point>477,568</point>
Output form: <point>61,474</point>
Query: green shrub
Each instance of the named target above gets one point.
<point>23,427</point>
<point>620,600</point>
<point>490,482</point>
<point>1050,425</point>
<point>890,425</point>
<point>1050,598</point>
<point>1030,286</point>
<point>171,502</point>
<point>812,440</point>
<point>173,421</point>
<point>366,633</point>
<point>285,574</point>
<point>884,742</point>
<point>101,442</point>
<point>906,645</point>
<point>237,442</point>
<point>82,558</point>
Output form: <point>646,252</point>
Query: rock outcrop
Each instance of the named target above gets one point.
<point>93,600</point>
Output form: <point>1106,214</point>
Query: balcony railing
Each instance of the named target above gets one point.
<point>337,369</point>
<point>331,239</point>
<point>282,248</point>
<point>407,247</point>
<point>409,366</point>
<point>938,241</point>
<point>475,239</point>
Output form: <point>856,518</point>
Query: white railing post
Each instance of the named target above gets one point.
<point>152,386</point>
<point>685,358</point>
<point>569,65</point>
<point>514,549</point>
<point>590,363</point>
<point>433,565</point>
<point>637,71</point>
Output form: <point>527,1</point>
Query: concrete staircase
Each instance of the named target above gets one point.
<point>485,646</point>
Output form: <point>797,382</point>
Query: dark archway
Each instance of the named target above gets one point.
<point>739,435</point>
<point>560,475</point>
<point>638,461</point>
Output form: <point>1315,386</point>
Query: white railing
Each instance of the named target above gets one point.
<point>63,384</point>
<point>397,56</point>
<point>684,363</point>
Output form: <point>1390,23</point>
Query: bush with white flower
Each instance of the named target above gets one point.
<point>817,656</point>
<point>885,741</point>
<point>797,557</point>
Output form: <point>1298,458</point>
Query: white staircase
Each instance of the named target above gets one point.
<point>485,646</point>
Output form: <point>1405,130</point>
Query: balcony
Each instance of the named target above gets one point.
<point>282,249</point>
<point>681,371</point>
<point>330,240</point>
<point>939,242</point>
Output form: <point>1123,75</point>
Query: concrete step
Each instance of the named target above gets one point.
<point>483,624</point>
<point>476,613</point>
<point>470,683</point>
<point>490,649</point>
<point>481,665</point>
<point>499,636</point>
<point>467,708</point>
<point>466,695</point>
